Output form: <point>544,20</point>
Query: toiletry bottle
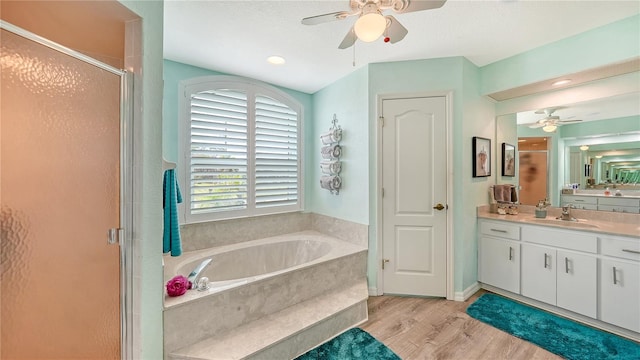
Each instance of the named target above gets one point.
<point>607,192</point>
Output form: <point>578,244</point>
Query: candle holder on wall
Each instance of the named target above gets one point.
<point>331,151</point>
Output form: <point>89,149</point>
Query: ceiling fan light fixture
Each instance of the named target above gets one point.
<point>370,27</point>
<point>549,128</point>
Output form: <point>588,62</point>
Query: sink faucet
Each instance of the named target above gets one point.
<point>566,213</point>
<point>194,276</point>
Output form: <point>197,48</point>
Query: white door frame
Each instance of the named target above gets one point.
<point>448,95</point>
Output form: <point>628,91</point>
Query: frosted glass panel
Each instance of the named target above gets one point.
<point>59,194</point>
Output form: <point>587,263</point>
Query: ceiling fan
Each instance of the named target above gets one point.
<point>551,122</point>
<point>371,24</point>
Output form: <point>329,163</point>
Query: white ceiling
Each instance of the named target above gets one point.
<point>236,37</point>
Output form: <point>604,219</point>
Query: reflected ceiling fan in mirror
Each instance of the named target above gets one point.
<point>551,122</point>
<point>371,23</point>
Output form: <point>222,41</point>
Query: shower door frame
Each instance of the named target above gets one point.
<point>125,232</point>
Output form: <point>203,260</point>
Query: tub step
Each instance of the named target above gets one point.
<point>289,332</point>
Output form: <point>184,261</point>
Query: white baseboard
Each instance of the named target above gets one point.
<point>464,295</point>
<point>373,291</point>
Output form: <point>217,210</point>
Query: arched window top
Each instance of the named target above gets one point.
<point>241,144</point>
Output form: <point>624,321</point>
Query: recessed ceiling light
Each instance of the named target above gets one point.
<point>561,82</point>
<point>276,60</point>
<point>598,156</point>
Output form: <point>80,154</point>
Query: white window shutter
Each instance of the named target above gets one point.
<point>276,153</point>
<point>218,151</point>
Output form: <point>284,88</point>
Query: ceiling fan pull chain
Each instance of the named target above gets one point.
<point>354,55</point>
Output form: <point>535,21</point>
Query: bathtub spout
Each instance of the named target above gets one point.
<point>194,276</point>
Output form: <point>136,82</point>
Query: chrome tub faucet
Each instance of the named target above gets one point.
<point>195,277</point>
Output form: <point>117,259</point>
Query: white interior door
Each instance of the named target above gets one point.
<point>414,183</point>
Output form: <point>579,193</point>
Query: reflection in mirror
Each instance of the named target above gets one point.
<point>608,127</point>
<point>533,157</point>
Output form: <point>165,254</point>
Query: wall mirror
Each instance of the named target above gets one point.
<point>595,145</point>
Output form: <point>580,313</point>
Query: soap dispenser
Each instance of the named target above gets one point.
<point>541,209</point>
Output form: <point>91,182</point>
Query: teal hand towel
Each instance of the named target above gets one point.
<point>170,199</point>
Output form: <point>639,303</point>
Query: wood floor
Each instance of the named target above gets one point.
<point>427,328</point>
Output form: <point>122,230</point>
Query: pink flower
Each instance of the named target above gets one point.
<point>178,285</point>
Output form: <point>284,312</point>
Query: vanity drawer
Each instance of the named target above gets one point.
<point>582,206</point>
<point>500,229</point>
<point>620,248</point>
<point>618,201</point>
<point>568,239</point>
<point>622,209</point>
<point>579,200</point>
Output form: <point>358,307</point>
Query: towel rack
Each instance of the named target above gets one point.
<point>167,165</point>
<point>331,151</point>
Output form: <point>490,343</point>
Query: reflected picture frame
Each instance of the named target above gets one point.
<point>508,160</point>
<point>481,157</point>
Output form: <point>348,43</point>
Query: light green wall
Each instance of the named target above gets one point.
<point>609,126</point>
<point>344,98</point>
<point>148,206</point>
<point>607,44</point>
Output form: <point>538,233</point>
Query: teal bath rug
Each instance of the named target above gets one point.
<point>560,336</point>
<point>351,344</point>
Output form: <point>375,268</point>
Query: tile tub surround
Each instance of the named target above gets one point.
<point>614,223</point>
<point>224,232</point>
<point>344,230</point>
<point>193,317</point>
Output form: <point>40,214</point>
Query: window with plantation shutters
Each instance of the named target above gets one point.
<point>276,153</point>
<point>240,145</point>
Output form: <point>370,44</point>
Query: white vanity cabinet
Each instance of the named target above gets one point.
<point>585,275</point>
<point>619,204</point>
<point>499,255</point>
<point>620,282</point>
<point>580,202</point>
<point>565,274</point>
<point>603,203</point>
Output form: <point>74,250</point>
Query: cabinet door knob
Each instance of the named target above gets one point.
<point>615,278</point>
<point>566,265</point>
<point>510,253</point>
<point>545,260</point>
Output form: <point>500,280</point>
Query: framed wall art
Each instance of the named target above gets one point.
<point>508,160</point>
<point>481,157</point>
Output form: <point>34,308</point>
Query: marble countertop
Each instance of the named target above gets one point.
<point>623,196</point>
<point>587,220</point>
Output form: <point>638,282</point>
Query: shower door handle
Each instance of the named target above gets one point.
<point>114,235</point>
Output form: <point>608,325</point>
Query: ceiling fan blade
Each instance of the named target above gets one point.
<point>535,125</point>
<point>319,19</point>
<point>348,40</point>
<point>405,6</point>
<point>395,31</point>
<point>568,121</point>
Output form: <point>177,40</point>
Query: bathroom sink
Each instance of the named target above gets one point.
<point>576,224</point>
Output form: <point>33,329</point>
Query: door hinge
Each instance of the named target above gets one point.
<point>381,120</point>
<point>114,235</point>
<point>382,192</point>
<point>383,262</point>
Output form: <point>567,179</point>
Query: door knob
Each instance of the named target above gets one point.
<point>440,207</point>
